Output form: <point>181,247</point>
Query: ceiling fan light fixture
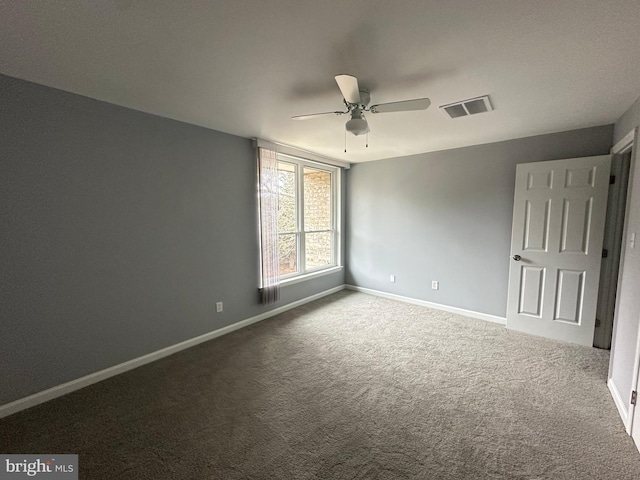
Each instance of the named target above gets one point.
<point>357,126</point>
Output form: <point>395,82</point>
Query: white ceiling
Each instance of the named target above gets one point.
<point>246,66</point>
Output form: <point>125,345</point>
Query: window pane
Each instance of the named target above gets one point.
<point>286,197</point>
<point>288,254</point>
<point>318,249</point>
<point>317,199</point>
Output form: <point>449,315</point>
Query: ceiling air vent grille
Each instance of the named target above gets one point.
<point>467,107</point>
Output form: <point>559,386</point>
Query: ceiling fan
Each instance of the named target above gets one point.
<point>357,100</point>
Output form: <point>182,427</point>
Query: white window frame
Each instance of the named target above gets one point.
<point>336,254</point>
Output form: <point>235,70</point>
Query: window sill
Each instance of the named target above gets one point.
<point>310,276</point>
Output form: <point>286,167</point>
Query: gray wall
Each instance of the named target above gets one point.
<point>446,216</point>
<point>120,231</point>
<point>627,320</point>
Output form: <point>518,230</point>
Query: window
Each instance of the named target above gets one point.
<point>307,216</point>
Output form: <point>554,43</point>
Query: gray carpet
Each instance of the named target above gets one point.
<point>348,387</point>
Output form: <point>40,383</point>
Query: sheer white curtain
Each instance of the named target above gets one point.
<point>268,213</point>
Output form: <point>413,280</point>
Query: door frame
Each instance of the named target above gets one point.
<point>633,411</point>
<point>626,144</point>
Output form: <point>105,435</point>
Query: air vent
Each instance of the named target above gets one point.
<point>467,107</point>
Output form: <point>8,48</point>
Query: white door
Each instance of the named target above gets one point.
<point>556,247</point>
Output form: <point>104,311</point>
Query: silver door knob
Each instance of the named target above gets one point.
<point>517,258</point>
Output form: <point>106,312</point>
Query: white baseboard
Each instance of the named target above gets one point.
<point>437,306</point>
<point>77,384</point>
<point>620,404</point>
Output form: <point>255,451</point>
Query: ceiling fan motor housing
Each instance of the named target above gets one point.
<point>365,98</point>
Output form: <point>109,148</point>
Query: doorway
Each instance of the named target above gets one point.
<point>611,249</point>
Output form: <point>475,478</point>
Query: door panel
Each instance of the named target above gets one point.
<point>541,180</point>
<point>531,292</point>
<point>536,228</point>
<point>576,225</point>
<point>556,245</point>
<point>569,296</point>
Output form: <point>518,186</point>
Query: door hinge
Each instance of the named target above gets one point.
<point>634,397</point>
<point>598,323</point>
<point>605,253</point>
<point>612,179</point>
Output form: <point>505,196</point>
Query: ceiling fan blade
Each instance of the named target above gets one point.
<point>313,115</point>
<point>404,106</point>
<point>348,85</point>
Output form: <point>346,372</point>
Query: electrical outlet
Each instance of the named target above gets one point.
<point>218,307</point>
<point>435,285</point>
<point>392,278</point>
